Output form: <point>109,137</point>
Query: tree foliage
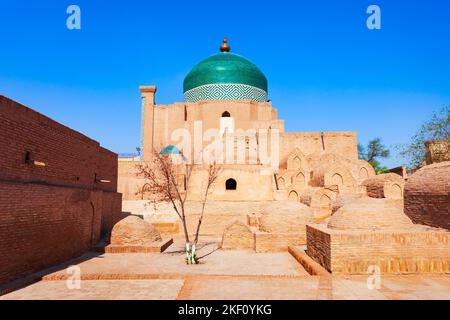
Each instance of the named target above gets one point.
<point>374,150</point>
<point>437,128</point>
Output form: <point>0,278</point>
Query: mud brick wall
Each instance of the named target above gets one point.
<point>52,208</point>
<point>394,251</point>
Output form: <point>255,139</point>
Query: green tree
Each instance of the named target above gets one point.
<point>374,150</point>
<point>437,128</point>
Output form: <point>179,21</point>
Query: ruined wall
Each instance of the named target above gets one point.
<point>52,205</point>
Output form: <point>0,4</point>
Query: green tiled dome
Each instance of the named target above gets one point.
<point>225,76</point>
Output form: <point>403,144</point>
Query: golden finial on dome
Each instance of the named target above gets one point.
<point>225,47</point>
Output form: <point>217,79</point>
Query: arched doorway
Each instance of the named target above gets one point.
<point>231,184</point>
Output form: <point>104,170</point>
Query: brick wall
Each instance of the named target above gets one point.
<point>111,210</point>
<point>106,169</point>
<point>70,157</point>
<point>318,245</point>
<point>402,251</point>
<point>52,205</point>
<point>273,242</point>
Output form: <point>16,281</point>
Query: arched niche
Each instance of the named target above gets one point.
<point>230,184</point>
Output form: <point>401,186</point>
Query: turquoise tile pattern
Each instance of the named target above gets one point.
<point>225,76</point>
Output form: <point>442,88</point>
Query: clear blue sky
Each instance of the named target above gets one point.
<point>326,70</point>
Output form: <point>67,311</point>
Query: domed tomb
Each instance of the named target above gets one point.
<point>386,185</point>
<point>238,236</point>
<point>133,231</point>
<point>225,76</point>
<point>284,217</point>
<point>370,214</point>
<point>427,195</point>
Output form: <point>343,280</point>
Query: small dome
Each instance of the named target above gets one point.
<point>170,150</point>
<point>284,217</point>
<point>427,195</point>
<point>225,76</point>
<point>370,214</point>
<point>133,231</point>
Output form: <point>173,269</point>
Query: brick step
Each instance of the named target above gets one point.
<point>311,266</point>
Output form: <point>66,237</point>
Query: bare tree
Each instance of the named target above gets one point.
<point>213,173</point>
<point>162,180</point>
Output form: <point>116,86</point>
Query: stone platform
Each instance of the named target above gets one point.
<point>156,247</point>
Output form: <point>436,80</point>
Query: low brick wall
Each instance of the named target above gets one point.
<point>273,242</point>
<point>318,244</point>
<point>403,251</point>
